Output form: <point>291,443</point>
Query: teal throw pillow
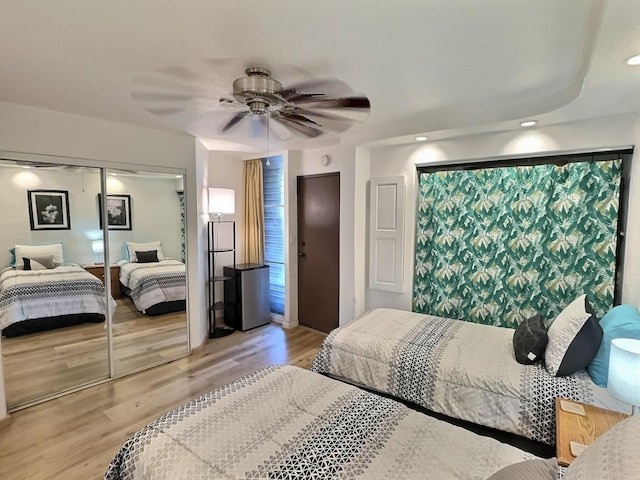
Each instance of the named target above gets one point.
<point>622,321</point>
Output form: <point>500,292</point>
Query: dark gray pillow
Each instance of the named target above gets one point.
<point>534,469</point>
<point>39,263</point>
<point>530,340</point>
<point>147,257</point>
<point>574,338</point>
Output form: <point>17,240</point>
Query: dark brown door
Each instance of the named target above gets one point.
<point>319,251</point>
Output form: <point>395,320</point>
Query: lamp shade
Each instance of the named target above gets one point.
<point>222,201</point>
<point>624,370</point>
<point>97,246</point>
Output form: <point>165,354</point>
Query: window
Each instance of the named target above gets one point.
<point>273,187</point>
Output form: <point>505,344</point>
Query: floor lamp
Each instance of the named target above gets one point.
<point>222,201</point>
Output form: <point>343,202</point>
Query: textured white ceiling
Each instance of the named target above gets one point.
<point>438,67</point>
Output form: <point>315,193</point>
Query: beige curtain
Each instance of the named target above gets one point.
<point>253,213</point>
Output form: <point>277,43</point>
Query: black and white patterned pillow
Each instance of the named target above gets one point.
<point>613,456</point>
<point>530,340</point>
<point>574,339</point>
<point>38,263</point>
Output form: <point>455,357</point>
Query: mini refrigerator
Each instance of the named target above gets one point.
<point>246,296</point>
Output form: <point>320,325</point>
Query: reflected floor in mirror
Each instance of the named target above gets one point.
<point>140,340</point>
<point>45,363</point>
<point>76,436</point>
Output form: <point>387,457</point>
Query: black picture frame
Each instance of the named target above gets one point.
<point>118,211</point>
<point>49,209</point>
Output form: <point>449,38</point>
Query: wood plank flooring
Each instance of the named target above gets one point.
<point>76,436</point>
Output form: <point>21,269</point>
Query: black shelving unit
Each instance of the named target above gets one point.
<point>218,253</point>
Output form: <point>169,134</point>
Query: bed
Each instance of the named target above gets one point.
<point>287,422</point>
<point>460,369</point>
<point>39,300</point>
<point>155,287</point>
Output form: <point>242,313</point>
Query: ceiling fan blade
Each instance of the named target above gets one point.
<point>234,121</point>
<point>296,125</point>
<point>163,111</point>
<point>326,120</point>
<point>317,87</point>
<point>330,102</point>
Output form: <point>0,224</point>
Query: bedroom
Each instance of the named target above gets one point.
<point>40,129</point>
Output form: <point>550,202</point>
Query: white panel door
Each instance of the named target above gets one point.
<point>386,249</point>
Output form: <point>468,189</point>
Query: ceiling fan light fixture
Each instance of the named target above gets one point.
<point>633,61</point>
<point>528,123</point>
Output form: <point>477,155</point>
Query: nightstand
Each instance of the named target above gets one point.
<point>583,429</point>
<point>98,271</point>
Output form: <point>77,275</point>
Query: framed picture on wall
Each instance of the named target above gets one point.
<point>49,209</point>
<point>118,211</point>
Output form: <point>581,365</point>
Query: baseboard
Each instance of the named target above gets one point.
<point>290,324</point>
<point>277,318</point>
<point>5,421</point>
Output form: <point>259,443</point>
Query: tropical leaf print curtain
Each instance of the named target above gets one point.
<point>497,245</point>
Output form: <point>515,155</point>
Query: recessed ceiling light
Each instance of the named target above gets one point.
<point>422,139</point>
<point>635,60</point>
<point>528,123</point>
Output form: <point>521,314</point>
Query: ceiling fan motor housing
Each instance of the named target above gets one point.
<point>257,90</point>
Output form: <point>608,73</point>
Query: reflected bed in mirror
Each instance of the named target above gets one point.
<point>47,300</point>
<point>150,322</point>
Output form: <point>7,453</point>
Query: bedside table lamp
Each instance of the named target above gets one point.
<point>624,371</point>
<point>97,246</point>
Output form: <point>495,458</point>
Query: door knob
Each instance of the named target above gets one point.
<point>301,254</point>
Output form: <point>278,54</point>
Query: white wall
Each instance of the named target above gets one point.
<point>591,135</point>
<point>117,145</point>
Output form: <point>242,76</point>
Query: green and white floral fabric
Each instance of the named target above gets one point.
<point>498,245</point>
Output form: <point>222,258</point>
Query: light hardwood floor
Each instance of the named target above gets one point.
<point>76,436</point>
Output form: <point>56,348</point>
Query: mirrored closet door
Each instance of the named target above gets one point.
<point>67,321</point>
<point>52,302</point>
<point>145,212</point>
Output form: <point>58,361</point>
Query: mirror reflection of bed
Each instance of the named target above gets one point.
<point>41,363</point>
<point>150,321</point>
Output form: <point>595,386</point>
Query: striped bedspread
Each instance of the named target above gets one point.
<point>154,282</point>
<point>64,290</point>
<point>461,369</point>
<point>290,423</point>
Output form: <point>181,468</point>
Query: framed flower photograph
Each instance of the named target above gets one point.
<point>118,211</point>
<point>49,209</point>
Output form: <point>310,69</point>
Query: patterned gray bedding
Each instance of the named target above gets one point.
<point>64,290</point>
<point>154,283</point>
<point>460,369</point>
<point>290,423</point>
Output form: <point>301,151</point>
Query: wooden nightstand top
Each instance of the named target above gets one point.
<point>585,429</point>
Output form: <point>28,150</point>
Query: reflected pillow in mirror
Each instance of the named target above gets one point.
<point>39,263</point>
<point>33,251</point>
<point>147,257</point>
<point>134,247</point>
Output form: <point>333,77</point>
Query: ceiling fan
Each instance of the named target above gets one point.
<point>309,108</point>
<point>303,108</point>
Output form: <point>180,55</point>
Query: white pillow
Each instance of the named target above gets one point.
<point>38,251</point>
<point>133,247</point>
<point>613,456</point>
